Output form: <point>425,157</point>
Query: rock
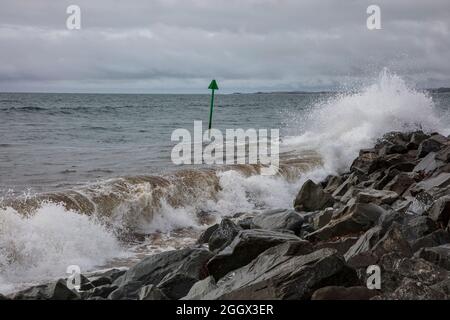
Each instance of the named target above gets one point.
<point>322,218</point>
<point>340,245</point>
<point>279,220</point>
<point>434,239</point>
<point>413,290</point>
<point>127,291</point>
<point>311,197</point>
<point>354,219</point>
<point>366,163</point>
<point>415,227</point>
<point>429,145</point>
<point>343,293</point>
<point>437,255</point>
<point>399,184</point>
<point>343,188</point>
<point>246,223</point>
<point>200,289</point>
<point>416,139</point>
<point>223,235</point>
<point>333,183</point>
<point>150,292</point>
<point>428,164</point>
<point>100,281</point>
<point>101,291</point>
<point>172,271</point>
<point>53,291</point>
<point>247,245</point>
<point>393,148</point>
<point>442,180</point>
<point>278,274</point>
<point>377,197</point>
<point>373,245</point>
<point>440,211</point>
<point>206,235</point>
<point>444,155</point>
<point>2,297</point>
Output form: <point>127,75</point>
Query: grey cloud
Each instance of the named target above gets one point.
<point>249,45</point>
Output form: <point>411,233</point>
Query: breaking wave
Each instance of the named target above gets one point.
<point>41,235</point>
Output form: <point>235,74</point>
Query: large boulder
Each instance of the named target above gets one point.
<point>437,255</point>
<point>432,144</point>
<point>281,273</point>
<point>377,197</point>
<point>247,245</point>
<point>434,239</point>
<point>279,220</point>
<point>53,291</point>
<point>173,272</point>
<point>354,219</point>
<point>223,235</point>
<point>311,197</point>
<point>440,211</point>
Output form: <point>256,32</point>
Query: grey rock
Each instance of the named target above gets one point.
<point>322,218</point>
<point>377,197</point>
<point>177,268</point>
<point>311,197</point>
<point>247,245</point>
<point>341,245</point>
<point>201,288</point>
<point>399,184</point>
<point>437,255</point>
<point>347,184</point>
<point>206,235</point>
<point>440,211</point>
<point>354,219</point>
<point>410,289</point>
<point>434,239</point>
<point>101,291</point>
<point>223,235</point>
<point>53,291</point>
<point>428,164</point>
<point>279,220</point>
<point>278,274</point>
<point>429,145</point>
<point>151,292</point>
<point>343,293</point>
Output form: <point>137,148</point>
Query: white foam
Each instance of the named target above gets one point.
<point>43,245</point>
<point>340,127</point>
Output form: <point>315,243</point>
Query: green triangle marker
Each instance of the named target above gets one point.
<point>213,86</point>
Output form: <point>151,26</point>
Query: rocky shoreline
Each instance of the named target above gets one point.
<point>391,211</point>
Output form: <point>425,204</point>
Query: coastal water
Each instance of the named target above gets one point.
<point>87,179</point>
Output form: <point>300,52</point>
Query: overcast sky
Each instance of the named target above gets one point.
<point>151,46</point>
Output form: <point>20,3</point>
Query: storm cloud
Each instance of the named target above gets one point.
<point>248,45</point>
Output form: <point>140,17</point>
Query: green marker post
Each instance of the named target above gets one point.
<point>213,86</point>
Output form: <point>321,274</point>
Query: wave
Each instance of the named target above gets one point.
<point>342,125</point>
<point>46,232</point>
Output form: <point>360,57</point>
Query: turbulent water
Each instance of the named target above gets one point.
<point>87,179</point>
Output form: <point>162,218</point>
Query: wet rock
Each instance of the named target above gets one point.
<point>150,292</point>
<point>206,235</point>
<point>354,219</point>
<point>440,211</point>
<point>444,155</point>
<point>277,274</point>
<point>200,289</point>
<point>333,183</point>
<point>437,255</point>
<point>434,239</point>
<point>279,220</point>
<point>366,163</point>
<point>172,271</point>
<point>431,144</point>
<point>413,290</point>
<point>311,197</point>
<point>247,245</point>
<point>442,180</point>
<point>101,291</point>
<point>415,227</point>
<point>223,235</point>
<point>340,245</point>
<point>322,218</point>
<point>416,139</point>
<point>399,184</point>
<point>343,293</point>
<point>373,245</point>
<point>53,291</point>
<point>347,184</point>
<point>428,164</point>
<point>377,197</point>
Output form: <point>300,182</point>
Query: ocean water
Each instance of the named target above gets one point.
<point>86,179</point>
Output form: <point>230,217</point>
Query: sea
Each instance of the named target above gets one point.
<point>88,179</point>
